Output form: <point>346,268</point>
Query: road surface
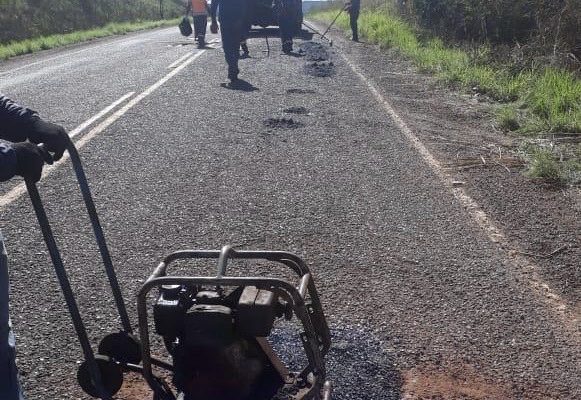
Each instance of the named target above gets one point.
<point>421,302</point>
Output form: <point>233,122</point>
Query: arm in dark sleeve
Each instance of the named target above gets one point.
<point>15,120</point>
<point>7,161</point>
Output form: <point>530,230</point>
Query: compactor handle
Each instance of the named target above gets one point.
<point>66,288</point>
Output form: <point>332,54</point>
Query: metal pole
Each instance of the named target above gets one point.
<point>66,289</point>
<point>332,23</point>
<point>100,237</point>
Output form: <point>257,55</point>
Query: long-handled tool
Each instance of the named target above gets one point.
<point>92,368</point>
<point>312,28</point>
<point>333,23</point>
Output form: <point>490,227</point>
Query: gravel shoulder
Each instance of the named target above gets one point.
<point>541,220</point>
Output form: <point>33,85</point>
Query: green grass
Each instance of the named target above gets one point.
<point>534,101</point>
<point>48,42</point>
<point>550,164</point>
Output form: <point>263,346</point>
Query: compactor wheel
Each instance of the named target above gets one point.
<point>111,376</point>
<point>122,347</point>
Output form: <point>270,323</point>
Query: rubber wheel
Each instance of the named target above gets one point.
<point>122,347</point>
<point>111,376</point>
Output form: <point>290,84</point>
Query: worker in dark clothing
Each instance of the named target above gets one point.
<point>287,12</point>
<point>353,9</point>
<point>199,10</point>
<point>24,158</point>
<point>233,25</point>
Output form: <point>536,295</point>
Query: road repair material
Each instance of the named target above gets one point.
<point>318,59</point>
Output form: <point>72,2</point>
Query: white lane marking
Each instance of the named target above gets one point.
<point>32,64</point>
<point>99,115</point>
<point>528,271</point>
<point>20,189</point>
<point>179,60</point>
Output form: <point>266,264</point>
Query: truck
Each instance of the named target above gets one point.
<point>269,12</point>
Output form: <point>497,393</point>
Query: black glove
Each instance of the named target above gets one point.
<point>54,137</point>
<point>30,159</point>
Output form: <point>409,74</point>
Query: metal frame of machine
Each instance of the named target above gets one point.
<point>303,299</point>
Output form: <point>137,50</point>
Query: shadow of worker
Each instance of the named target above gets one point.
<point>240,85</point>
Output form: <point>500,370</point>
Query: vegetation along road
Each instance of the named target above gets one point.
<point>443,270</point>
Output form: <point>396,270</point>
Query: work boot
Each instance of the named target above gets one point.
<point>233,76</point>
<point>287,47</point>
<point>244,48</point>
<point>355,38</point>
<point>201,42</point>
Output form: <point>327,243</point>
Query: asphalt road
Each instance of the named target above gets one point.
<point>421,303</point>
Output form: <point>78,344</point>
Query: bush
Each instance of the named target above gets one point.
<point>23,19</point>
<point>551,24</point>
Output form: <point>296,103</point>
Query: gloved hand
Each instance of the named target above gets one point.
<point>30,159</point>
<point>54,137</point>
<point>347,7</point>
<point>214,27</point>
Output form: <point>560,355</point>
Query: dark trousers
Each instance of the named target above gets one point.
<point>200,24</point>
<point>232,31</point>
<point>353,17</point>
<point>287,28</point>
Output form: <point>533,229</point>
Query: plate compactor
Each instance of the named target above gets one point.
<point>214,330</point>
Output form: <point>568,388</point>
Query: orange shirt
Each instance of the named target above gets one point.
<point>199,7</point>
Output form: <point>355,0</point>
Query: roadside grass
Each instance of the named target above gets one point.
<point>532,102</point>
<point>13,49</point>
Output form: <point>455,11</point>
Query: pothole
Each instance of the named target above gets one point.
<point>318,58</point>
<point>320,69</point>
<point>300,91</point>
<point>314,51</point>
<point>282,123</point>
<point>296,110</point>
<point>357,366</point>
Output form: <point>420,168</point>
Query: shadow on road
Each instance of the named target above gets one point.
<point>240,85</point>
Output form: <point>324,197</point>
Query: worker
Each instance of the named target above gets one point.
<point>287,12</point>
<point>352,7</point>
<point>200,11</point>
<point>24,158</point>
<point>233,23</point>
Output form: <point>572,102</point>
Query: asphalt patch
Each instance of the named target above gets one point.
<point>320,69</point>
<point>282,123</point>
<point>301,91</point>
<point>296,110</point>
<point>314,51</point>
<point>318,57</point>
<point>356,364</point>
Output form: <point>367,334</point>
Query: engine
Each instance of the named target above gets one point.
<point>212,338</point>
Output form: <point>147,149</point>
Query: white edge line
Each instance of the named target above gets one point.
<point>98,116</point>
<point>32,64</point>
<point>20,189</point>
<point>569,314</point>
